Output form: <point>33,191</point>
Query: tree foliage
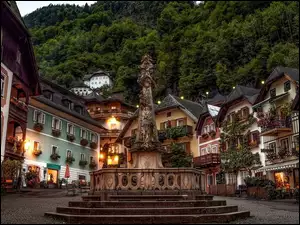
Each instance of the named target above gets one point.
<point>197,47</point>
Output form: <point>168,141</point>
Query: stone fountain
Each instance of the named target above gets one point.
<point>147,172</point>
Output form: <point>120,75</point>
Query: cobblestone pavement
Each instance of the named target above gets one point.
<point>30,209</point>
<point>265,212</point>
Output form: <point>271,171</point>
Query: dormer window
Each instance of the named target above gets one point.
<point>287,86</point>
<point>48,94</point>
<point>67,103</point>
<point>78,109</point>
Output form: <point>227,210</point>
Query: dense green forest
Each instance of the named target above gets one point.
<point>197,47</point>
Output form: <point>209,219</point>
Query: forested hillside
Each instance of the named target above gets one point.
<point>197,48</point>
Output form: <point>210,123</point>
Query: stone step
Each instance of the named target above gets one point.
<point>146,204</point>
<point>147,197</point>
<point>147,211</point>
<point>204,197</point>
<point>149,219</point>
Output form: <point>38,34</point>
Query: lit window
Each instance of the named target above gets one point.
<point>36,145</point>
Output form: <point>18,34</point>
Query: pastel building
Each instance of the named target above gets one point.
<point>60,131</point>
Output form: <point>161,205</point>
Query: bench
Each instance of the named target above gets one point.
<point>240,190</point>
<point>71,189</point>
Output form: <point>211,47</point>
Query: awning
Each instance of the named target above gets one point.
<point>280,166</point>
<point>53,166</point>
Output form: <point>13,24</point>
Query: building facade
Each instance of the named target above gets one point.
<point>60,131</point>
<point>176,120</point>
<point>238,106</point>
<point>97,79</point>
<point>19,81</point>
<point>276,106</point>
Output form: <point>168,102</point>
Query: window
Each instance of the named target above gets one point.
<point>2,86</point>
<point>83,133</point>
<point>69,153</point>
<point>94,137</point>
<point>203,151</point>
<point>113,107</point>
<point>205,130</point>
<point>54,150</point>
<point>231,178</point>
<point>70,128</point>
<point>210,179</point>
<point>255,137</point>
<point>48,94</point>
<point>296,143</point>
<point>91,159</point>
<point>180,123</point>
<point>78,109</point>
<point>212,127</point>
<point>82,156</point>
<point>273,93</point>
<point>214,149</point>
<point>39,117</point>
<point>272,146</point>
<point>208,128</point>
<point>56,123</point>
<point>245,112</point>
<point>284,143</point>
<point>287,86</point>
<point>244,174</point>
<point>169,114</point>
<point>36,145</point>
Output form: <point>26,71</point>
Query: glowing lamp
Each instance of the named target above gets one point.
<point>109,161</point>
<point>137,106</point>
<point>27,145</point>
<point>182,97</point>
<point>158,102</point>
<point>233,87</point>
<point>207,92</point>
<point>116,158</point>
<point>262,82</point>
<point>101,156</point>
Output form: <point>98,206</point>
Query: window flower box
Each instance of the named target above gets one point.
<point>38,127</point>
<point>54,156</point>
<point>204,135</point>
<point>83,163</point>
<point>37,152</point>
<point>55,132</point>
<point>283,152</point>
<point>84,142</point>
<point>93,145</point>
<point>70,159</point>
<point>71,137</point>
<point>93,165</point>
<point>212,133</point>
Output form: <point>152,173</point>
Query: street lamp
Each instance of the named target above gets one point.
<point>27,145</point>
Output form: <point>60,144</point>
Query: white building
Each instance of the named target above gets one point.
<point>97,79</point>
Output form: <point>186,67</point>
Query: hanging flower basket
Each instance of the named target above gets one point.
<point>55,132</point>
<point>83,163</point>
<point>70,159</point>
<point>205,135</point>
<point>38,127</point>
<point>84,142</point>
<point>93,145</point>
<point>71,137</point>
<point>54,156</point>
<point>37,152</point>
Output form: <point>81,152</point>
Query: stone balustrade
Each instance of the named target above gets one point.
<point>145,179</point>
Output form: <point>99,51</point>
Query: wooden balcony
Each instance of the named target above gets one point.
<point>109,113</point>
<point>12,152</point>
<point>110,133</point>
<point>276,127</point>
<point>207,160</point>
<point>18,109</point>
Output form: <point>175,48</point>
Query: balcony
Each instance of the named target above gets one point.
<point>207,160</point>
<point>14,149</point>
<point>99,114</point>
<point>279,154</point>
<point>110,133</point>
<point>176,132</point>
<point>18,108</point>
<point>275,127</point>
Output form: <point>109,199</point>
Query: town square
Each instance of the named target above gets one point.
<point>154,112</point>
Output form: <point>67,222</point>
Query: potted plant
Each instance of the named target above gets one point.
<point>56,132</point>
<point>282,152</point>
<point>212,133</point>
<point>204,135</point>
<point>38,127</point>
<point>54,156</point>
<point>84,142</point>
<point>70,159</point>
<point>71,137</point>
<point>93,145</point>
<point>83,163</point>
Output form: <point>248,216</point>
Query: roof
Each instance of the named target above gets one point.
<point>293,73</point>
<point>98,72</point>
<point>295,104</point>
<point>15,10</point>
<point>276,74</point>
<point>93,96</point>
<point>171,101</point>
<point>62,94</point>
<point>218,99</point>
<point>78,84</point>
<point>237,94</point>
<point>208,110</point>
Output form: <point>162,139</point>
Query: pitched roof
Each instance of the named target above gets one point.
<point>218,99</point>
<point>98,72</point>
<point>14,8</point>
<point>208,110</point>
<point>293,73</point>
<point>242,91</point>
<point>93,96</point>
<point>171,101</point>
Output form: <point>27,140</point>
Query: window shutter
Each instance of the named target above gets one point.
<point>60,124</point>
<point>34,115</point>
<point>188,147</point>
<point>173,123</point>
<point>184,121</point>
<point>43,118</point>
<point>81,131</point>
<point>53,122</point>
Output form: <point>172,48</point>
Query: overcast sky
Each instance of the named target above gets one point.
<point>26,7</point>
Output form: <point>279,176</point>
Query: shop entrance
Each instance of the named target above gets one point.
<point>52,176</point>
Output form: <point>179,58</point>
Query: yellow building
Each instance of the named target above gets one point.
<point>176,121</point>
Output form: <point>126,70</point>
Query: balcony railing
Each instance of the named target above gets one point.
<point>112,112</point>
<point>14,149</point>
<point>279,154</point>
<point>273,127</point>
<point>18,108</point>
<point>207,160</point>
